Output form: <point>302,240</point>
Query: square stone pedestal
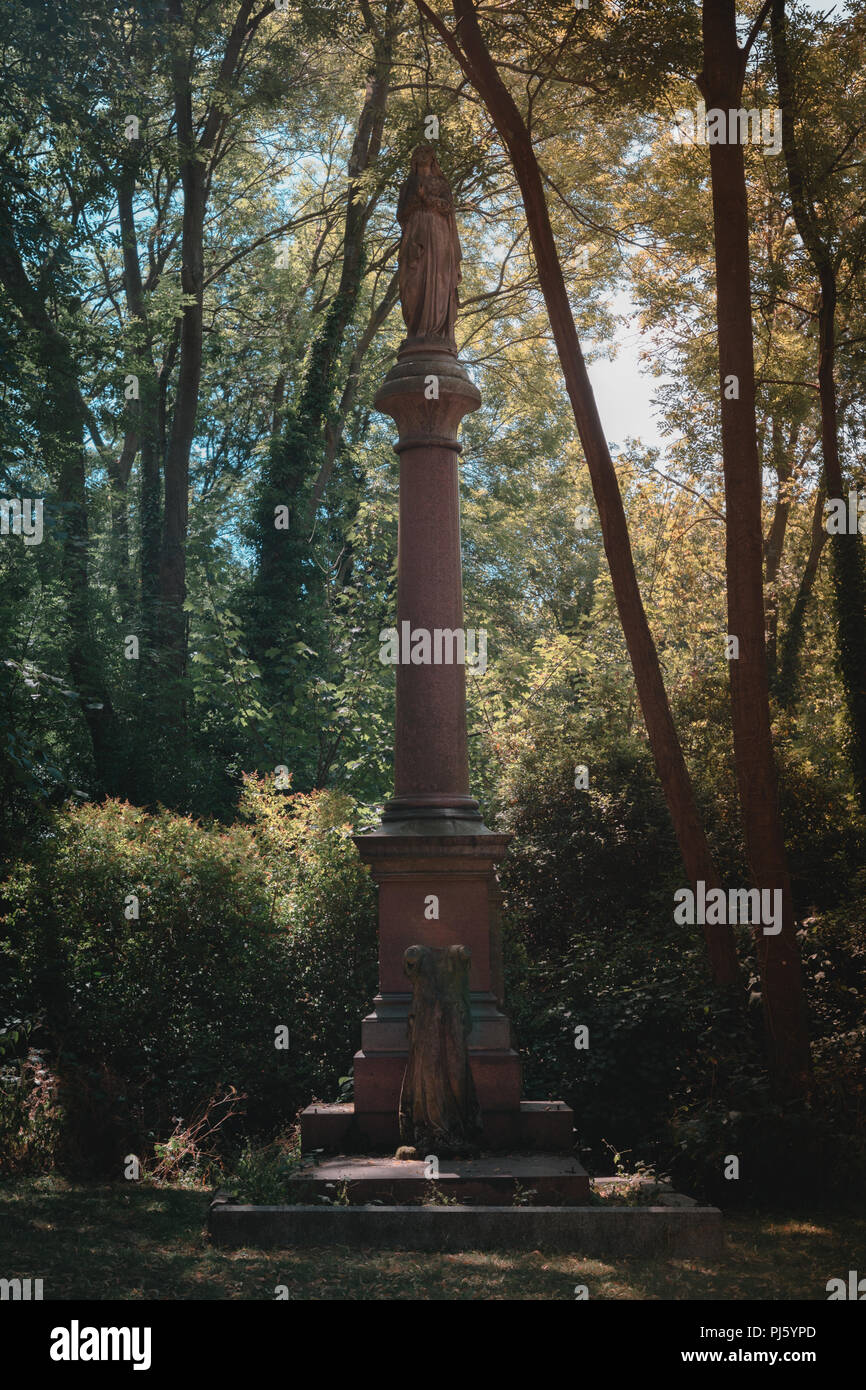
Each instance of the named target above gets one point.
<point>437,887</point>
<point>538,1126</point>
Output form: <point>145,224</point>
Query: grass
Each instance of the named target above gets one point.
<point>101,1241</point>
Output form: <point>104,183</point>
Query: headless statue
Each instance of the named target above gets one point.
<point>439,1111</point>
<point>429,260</point>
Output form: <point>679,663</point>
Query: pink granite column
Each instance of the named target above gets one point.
<point>427,394</point>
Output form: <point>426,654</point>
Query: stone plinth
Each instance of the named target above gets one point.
<point>457,870</point>
<point>542,1126</point>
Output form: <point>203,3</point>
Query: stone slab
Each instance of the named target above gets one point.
<point>591,1232</point>
<point>550,1177</point>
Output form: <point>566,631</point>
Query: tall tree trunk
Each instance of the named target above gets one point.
<point>150,509</point>
<point>788,681</point>
<point>119,469</point>
<point>172,560</point>
<point>61,425</point>
<point>294,475</point>
<point>195,158</point>
<point>849,561</point>
<point>84,660</point>
<point>335,426</point>
<point>474,57</point>
<point>775,542</point>
<point>721,83</point>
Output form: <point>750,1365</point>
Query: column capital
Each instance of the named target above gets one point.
<point>427,393</point>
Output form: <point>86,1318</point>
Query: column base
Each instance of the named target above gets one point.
<point>379,1077</point>
<point>431,808</point>
<point>539,1126</point>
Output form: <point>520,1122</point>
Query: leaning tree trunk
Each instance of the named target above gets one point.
<point>475,59</point>
<point>721,83</point>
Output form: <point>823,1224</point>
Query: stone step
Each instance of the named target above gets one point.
<point>540,1178</point>
<point>593,1232</point>
<point>385,1029</point>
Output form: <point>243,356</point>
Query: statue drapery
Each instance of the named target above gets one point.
<point>429,260</point>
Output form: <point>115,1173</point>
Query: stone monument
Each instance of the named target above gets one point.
<point>432,857</point>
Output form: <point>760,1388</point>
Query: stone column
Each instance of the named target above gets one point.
<point>427,394</point>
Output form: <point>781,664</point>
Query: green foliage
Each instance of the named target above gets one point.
<point>673,1073</point>
<point>30,1116</point>
<point>565,871</point>
<point>260,1173</point>
<point>241,930</point>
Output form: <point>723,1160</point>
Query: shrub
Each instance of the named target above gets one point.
<point>268,922</point>
<point>30,1115</point>
<point>674,1074</point>
<point>261,1172</point>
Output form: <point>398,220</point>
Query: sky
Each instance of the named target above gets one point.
<point>623,391</point>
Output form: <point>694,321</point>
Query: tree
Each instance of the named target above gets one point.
<point>808,192</point>
<point>36,275</point>
<point>295,474</point>
<point>721,84</point>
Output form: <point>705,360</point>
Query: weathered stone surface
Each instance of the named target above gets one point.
<point>640,1189</point>
<point>439,1111</point>
<point>429,260</point>
<point>589,1231</point>
<point>542,1178</point>
<point>544,1126</point>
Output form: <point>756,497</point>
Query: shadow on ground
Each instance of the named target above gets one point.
<point>148,1242</point>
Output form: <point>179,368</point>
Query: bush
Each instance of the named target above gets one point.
<point>30,1115</point>
<point>261,1173</point>
<point>600,863</point>
<point>269,922</point>
<point>674,1075</point>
